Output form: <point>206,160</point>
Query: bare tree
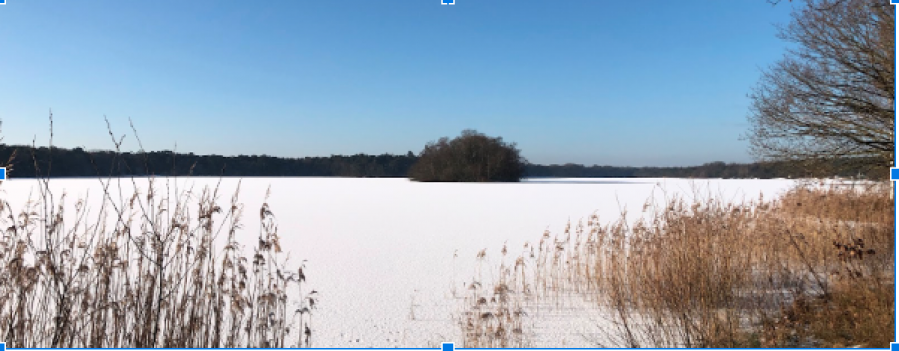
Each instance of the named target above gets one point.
<point>830,100</point>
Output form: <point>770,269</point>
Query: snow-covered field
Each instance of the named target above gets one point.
<point>386,255</point>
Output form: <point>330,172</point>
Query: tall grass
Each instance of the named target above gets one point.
<point>493,318</point>
<point>812,268</point>
<point>156,267</point>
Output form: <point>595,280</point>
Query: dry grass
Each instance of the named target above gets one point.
<point>159,267</point>
<point>813,268</point>
<point>494,315</point>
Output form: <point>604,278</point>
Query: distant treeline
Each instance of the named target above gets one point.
<point>78,162</point>
<point>708,170</point>
<point>765,170</point>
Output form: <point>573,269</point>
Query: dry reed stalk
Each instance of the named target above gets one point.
<point>711,273</point>
<point>145,271</point>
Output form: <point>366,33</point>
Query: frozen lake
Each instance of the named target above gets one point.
<point>382,252</point>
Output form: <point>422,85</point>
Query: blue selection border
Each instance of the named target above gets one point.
<point>448,346</point>
<point>894,177</point>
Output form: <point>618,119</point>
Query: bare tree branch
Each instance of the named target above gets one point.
<point>832,97</point>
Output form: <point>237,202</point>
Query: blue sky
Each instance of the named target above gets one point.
<point>584,81</point>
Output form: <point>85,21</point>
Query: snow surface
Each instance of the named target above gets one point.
<point>386,255</point>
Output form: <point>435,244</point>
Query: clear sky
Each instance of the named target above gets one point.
<point>585,81</point>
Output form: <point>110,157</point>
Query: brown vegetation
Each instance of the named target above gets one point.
<point>495,313</point>
<point>811,269</point>
<point>160,267</point>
